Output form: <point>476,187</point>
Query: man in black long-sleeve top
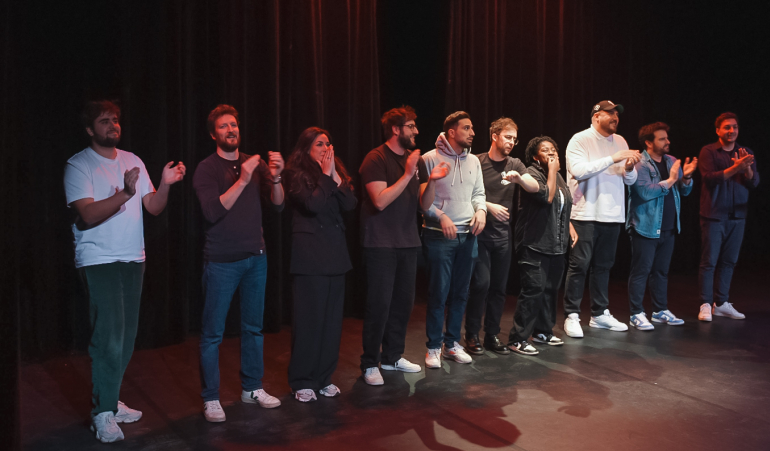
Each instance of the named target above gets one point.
<point>728,173</point>
<point>228,185</point>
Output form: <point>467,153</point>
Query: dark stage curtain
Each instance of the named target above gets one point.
<point>545,63</point>
<point>285,65</point>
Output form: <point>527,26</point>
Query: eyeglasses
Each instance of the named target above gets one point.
<point>515,140</point>
<point>412,127</point>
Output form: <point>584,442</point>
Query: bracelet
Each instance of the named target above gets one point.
<point>275,182</point>
<point>687,178</point>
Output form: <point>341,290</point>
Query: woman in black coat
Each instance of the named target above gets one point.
<point>319,191</point>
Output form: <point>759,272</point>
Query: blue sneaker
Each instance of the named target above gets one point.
<point>666,317</point>
<point>640,322</point>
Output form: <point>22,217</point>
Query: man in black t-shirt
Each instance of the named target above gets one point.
<point>653,222</point>
<point>391,175</point>
<point>228,184</point>
<point>490,276</point>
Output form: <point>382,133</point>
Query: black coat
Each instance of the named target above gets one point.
<point>318,245</point>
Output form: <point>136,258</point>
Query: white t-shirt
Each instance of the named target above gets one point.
<point>595,181</point>
<point>119,238</point>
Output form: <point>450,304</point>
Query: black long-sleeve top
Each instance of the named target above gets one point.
<point>234,234</point>
<point>540,225</point>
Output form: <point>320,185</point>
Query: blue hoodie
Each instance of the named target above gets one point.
<point>460,194</point>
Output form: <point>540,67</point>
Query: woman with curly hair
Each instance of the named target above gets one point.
<point>542,237</point>
<point>319,190</point>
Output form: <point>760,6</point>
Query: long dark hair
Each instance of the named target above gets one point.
<point>303,170</point>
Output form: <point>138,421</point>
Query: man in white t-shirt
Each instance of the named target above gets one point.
<point>599,165</point>
<point>107,187</point>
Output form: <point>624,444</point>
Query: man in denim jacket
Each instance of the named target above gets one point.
<point>653,222</point>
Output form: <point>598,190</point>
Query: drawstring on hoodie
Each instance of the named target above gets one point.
<point>458,168</point>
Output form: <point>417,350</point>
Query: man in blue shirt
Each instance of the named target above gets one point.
<point>653,222</point>
<point>728,173</point>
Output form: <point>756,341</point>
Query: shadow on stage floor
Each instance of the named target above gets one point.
<point>698,386</point>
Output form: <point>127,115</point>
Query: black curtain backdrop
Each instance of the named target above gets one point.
<point>290,64</point>
<point>545,63</point>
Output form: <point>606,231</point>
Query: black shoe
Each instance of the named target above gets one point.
<point>493,343</point>
<point>473,345</point>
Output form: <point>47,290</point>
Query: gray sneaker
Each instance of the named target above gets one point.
<point>126,414</point>
<point>105,427</point>
<point>372,376</point>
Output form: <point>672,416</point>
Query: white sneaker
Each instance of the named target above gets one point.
<point>126,414</point>
<point>572,326</point>
<point>260,396</point>
<point>641,322</point>
<point>728,310</point>
<point>705,312</point>
<point>305,395</point>
<point>105,427</point>
<point>213,412</point>
<point>330,391</point>
<point>433,358</point>
<point>372,376</point>
<point>457,353</point>
<point>607,321</point>
<point>403,365</point>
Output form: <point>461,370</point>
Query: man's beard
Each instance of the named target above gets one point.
<point>406,143</point>
<point>501,149</point>
<point>106,141</point>
<point>226,146</point>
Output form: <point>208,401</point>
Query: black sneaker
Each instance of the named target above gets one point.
<point>494,344</point>
<point>473,345</point>
<point>523,347</point>
<point>550,339</point>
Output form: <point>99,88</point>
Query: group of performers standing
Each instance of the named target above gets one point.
<point>467,240</point>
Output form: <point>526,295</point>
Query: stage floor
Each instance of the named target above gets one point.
<point>703,386</point>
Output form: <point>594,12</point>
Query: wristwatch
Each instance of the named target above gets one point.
<point>277,181</point>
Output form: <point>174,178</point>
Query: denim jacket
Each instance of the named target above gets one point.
<point>646,197</point>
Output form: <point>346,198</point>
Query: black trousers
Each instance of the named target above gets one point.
<point>390,275</point>
<point>650,260</point>
<point>595,249</point>
<point>540,281</point>
<point>487,291</point>
<point>316,331</point>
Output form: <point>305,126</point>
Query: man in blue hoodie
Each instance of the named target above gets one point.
<point>653,222</point>
<point>454,212</point>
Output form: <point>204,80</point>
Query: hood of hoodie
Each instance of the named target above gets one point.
<point>445,149</point>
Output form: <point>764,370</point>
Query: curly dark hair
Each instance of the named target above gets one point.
<point>96,108</point>
<point>303,170</point>
<point>647,133</point>
<point>397,117</point>
<point>534,145</point>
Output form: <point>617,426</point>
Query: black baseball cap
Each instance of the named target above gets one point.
<point>606,105</point>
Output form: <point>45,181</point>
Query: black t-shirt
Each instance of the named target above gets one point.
<point>498,193</point>
<point>669,208</point>
<point>396,226</point>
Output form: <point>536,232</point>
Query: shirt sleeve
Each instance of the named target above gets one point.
<point>518,166</point>
<point>580,166</point>
<point>207,190</point>
<point>479,196</point>
<point>372,170</point>
<point>145,184</point>
<point>77,183</point>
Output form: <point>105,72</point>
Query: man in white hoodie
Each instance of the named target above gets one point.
<point>455,212</point>
<point>599,163</point>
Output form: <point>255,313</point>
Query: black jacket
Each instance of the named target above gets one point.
<point>318,245</point>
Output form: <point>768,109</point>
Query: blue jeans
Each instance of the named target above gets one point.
<point>720,245</point>
<point>650,260</point>
<point>450,265</point>
<point>220,280</point>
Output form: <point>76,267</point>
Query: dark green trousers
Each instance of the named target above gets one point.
<point>114,292</point>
